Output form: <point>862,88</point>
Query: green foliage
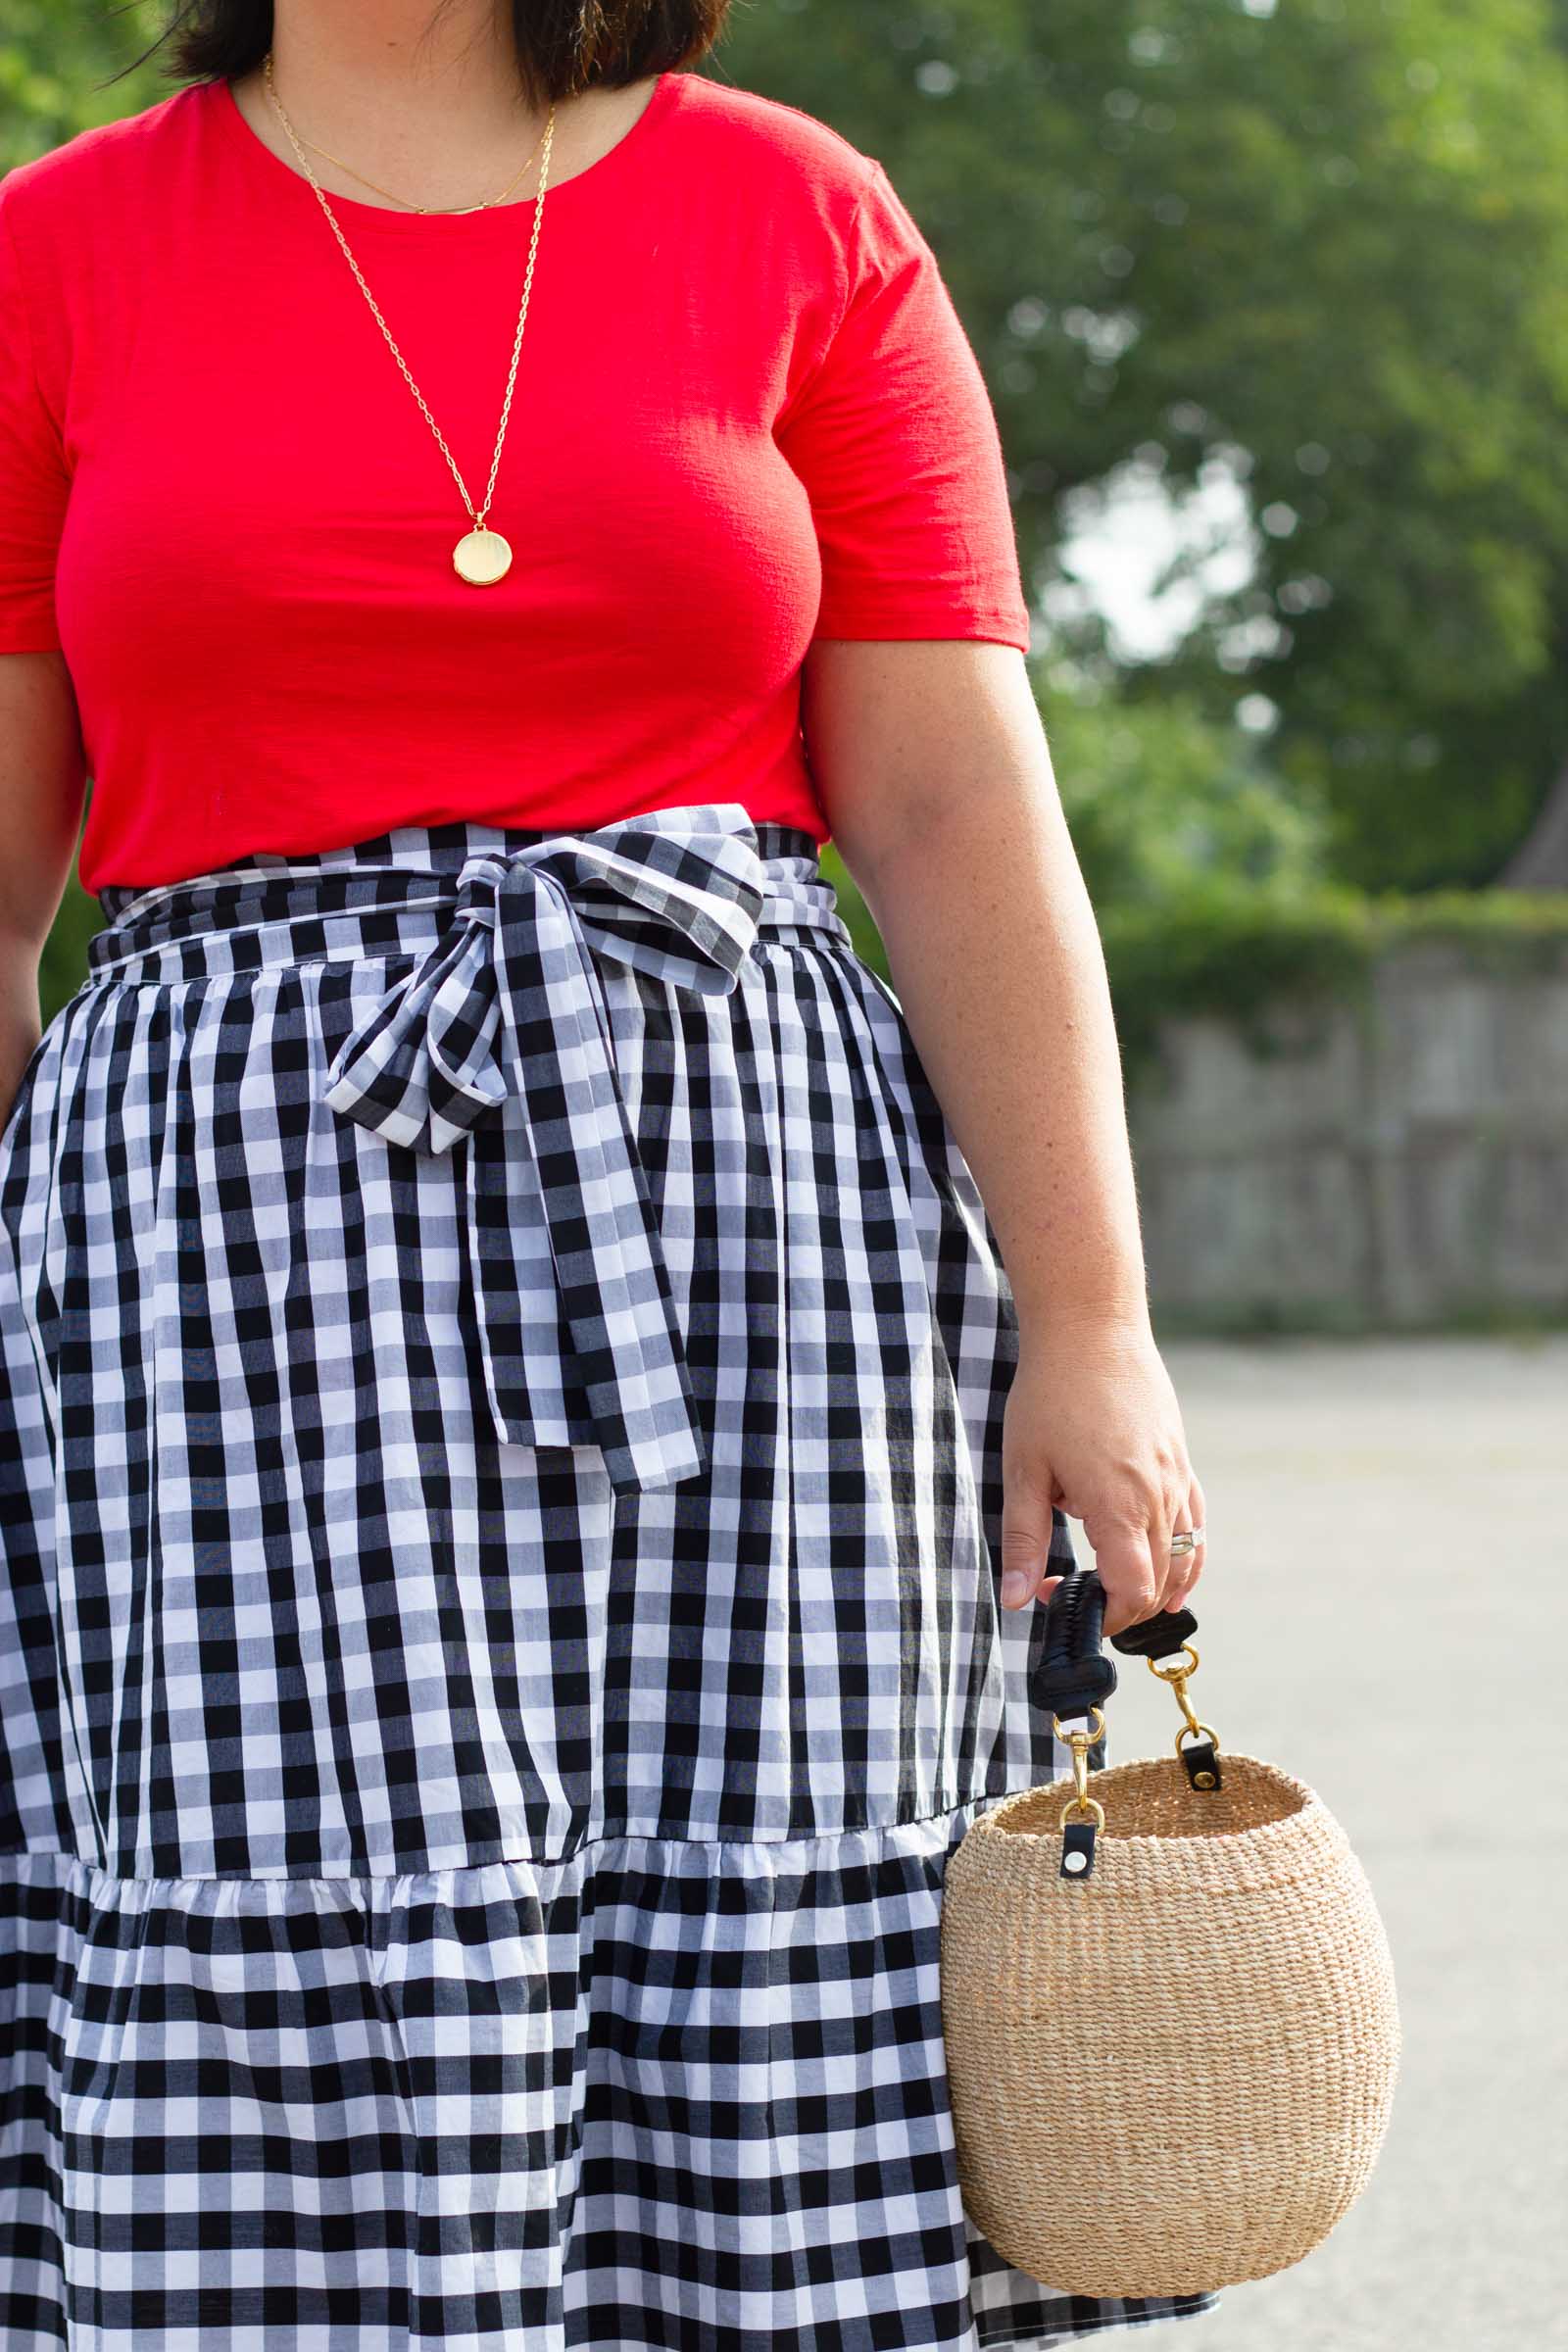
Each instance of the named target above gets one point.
<point>1211,889</point>
<point>1161,800</point>
<point>1320,248</point>
<point>55,70</point>
<point>1172,816</point>
<point>1244,957</point>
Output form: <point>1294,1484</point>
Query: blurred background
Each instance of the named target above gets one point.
<point>1272,300</point>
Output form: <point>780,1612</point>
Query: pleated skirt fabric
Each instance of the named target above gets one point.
<point>502,1365</point>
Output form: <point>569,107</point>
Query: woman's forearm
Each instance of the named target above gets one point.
<point>20,1025</point>
<point>935,777</point>
<point>996,958</point>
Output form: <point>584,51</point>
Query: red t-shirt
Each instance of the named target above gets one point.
<point>745,415</point>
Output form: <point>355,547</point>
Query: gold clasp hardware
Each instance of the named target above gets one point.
<point>1081,1742</point>
<point>1178,1679</point>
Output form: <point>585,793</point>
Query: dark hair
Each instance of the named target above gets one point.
<point>563,45</point>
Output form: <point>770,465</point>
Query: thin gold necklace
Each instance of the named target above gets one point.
<point>443,211</point>
<point>481,555</point>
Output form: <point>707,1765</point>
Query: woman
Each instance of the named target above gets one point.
<point>516,1413</point>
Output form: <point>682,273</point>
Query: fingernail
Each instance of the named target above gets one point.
<point>1015,1587</point>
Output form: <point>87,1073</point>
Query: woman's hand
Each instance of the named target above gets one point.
<point>1092,1426</point>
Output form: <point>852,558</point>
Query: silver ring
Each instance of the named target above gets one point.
<point>1185,1541</point>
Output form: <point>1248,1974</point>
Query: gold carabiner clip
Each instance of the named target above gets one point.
<point>1178,1680</point>
<point>1081,1742</point>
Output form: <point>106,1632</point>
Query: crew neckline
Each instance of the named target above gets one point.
<point>598,175</point>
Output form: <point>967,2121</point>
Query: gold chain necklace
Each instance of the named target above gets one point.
<point>481,555</point>
<point>452,212</point>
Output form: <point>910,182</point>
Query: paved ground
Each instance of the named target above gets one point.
<point>1405,1504</point>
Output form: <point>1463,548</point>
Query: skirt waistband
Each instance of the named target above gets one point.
<point>508,937</point>
<point>388,894</point>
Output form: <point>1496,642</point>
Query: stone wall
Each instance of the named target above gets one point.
<point>1401,1160</point>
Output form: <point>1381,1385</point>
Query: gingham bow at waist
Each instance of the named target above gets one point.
<point>508,1003</point>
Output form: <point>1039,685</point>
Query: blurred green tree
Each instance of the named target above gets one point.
<point>1176,818</point>
<point>1164,801</point>
<point>1320,245</point>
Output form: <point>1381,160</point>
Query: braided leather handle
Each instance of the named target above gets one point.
<point>1074,1676</point>
<point>1073,1673</point>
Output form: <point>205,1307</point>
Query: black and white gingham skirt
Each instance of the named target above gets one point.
<point>501,1381</point>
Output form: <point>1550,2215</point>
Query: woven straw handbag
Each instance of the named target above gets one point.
<point>1168,1999</point>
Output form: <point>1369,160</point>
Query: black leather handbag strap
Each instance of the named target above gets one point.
<point>1073,1673</point>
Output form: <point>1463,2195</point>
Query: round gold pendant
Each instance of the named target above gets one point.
<point>482,558</point>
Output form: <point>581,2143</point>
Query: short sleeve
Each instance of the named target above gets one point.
<point>35,481</point>
<point>893,436</point>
